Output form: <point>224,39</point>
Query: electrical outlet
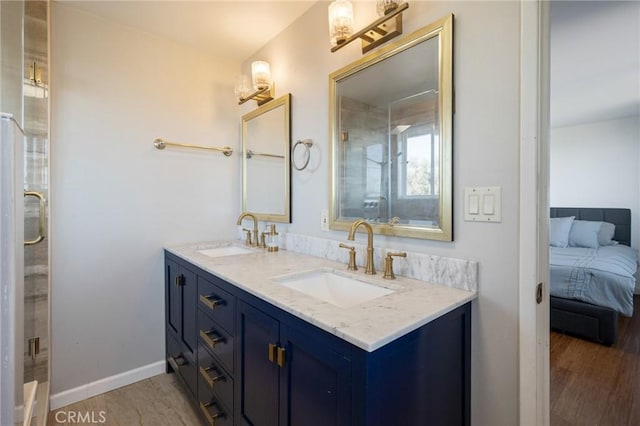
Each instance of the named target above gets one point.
<point>324,220</point>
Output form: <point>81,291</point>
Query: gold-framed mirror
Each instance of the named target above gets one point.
<point>266,165</point>
<point>390,127</point>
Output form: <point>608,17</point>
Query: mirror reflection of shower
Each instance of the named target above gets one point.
<point>401,162</point>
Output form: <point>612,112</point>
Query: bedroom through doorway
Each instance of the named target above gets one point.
<point>594,175</point>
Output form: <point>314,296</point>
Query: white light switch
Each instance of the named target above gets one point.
<point>488,201</point>
<point>482,204</point>
<point>474,204</point>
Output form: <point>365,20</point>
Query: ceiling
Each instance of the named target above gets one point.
<point>226,29</point>
<point>595,61</point>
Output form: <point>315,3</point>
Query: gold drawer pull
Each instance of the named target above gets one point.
<point>208,340</point>
<point>179,280</point>
<point>211,418</point>
<point>272,352</point>
<point>204,372</point>
<point>177,361</point>
<point>211,301</point>
<point>281,356</point>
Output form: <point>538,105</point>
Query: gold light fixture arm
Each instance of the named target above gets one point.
<point>379,31</point>
<point>162,144</point>
<point>261,96</point>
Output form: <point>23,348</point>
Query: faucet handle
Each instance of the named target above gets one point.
<point>248,231</point>
<point>388,265</point>
<point>352,256</point>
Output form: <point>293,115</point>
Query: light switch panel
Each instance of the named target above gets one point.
<point>482,204</point>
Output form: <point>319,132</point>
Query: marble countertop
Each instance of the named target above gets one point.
<point>369,325</point>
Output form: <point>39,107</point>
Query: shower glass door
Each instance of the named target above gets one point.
<point>36,186</point>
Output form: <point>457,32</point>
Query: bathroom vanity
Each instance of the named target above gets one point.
<point>250,348</point>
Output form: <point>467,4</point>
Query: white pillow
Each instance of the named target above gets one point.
<point>559,228</point>
<point>605,236</point>
<point>584,233</point>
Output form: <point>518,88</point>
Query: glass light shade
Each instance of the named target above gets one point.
<point>386,6</point>
<point>340,21</point>
<point>242,88</point>
<point>261,73</point>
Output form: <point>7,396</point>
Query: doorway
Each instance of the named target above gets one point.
<point>594,160</point>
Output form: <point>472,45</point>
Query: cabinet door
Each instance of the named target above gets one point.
<point>315,382</point>
<point>258,374</point>
<point>189,330</point>
<point>174,299</point>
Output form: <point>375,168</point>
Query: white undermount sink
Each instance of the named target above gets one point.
<point>225,251</point>
<point>333,287</point>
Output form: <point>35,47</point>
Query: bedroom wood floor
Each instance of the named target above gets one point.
<point>592,384</point>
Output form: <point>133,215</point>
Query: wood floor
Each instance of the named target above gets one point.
<point>592,384</point>
<point>157,401</point>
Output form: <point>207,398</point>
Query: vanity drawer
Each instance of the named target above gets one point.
<point>217,341</point>
<point>214,381</point>
<point>181,364</point>
<point>217,303</point>
<point>215,413</point>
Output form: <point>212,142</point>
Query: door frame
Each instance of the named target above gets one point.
<point>534,207</point>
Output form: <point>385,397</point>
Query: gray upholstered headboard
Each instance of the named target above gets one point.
<point>621,218</point>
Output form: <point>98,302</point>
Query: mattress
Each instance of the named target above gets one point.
<point>603,276</point>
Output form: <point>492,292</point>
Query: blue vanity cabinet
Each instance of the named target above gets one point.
<point>259,365</point>
<point>290,373</point>
<point>180,302</point>
<point>422,378</point>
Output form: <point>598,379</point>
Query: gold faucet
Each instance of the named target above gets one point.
<point>388,265</point>
<point>369,269</point>
<point>255,227</point>
<point>352,256</point>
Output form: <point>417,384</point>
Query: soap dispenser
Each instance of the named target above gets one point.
<point>273,239</point>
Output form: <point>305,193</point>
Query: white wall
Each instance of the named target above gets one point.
<point>486,152</point>
<point>116,200</point>
<point>598,165</point>
<point>11,49</point>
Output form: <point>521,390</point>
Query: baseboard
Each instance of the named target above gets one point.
<point>107,384</point>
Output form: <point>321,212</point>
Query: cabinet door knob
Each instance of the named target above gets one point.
<point>281,356</point>
<point>272,352</point>
<point>179,281</point>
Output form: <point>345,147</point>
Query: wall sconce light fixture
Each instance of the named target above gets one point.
<point>388,26</point>
<point>263,89</point>
<point>340,21</point>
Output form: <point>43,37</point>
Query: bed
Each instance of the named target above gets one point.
<point>591,286</point>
